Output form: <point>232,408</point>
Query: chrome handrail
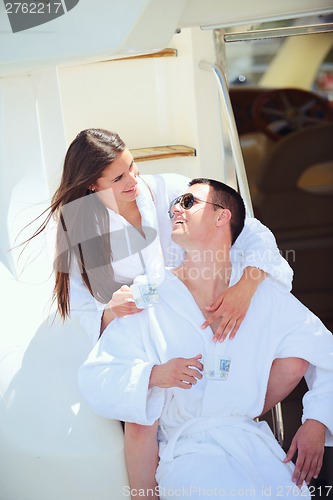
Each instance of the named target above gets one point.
<point>278,425</point>
<point>286,31</point>
<point>227,111</point>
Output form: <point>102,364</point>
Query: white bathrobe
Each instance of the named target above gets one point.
<point>208,439</point>
<point>256,246</point>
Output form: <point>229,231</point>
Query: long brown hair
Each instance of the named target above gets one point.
<point>83,223</point>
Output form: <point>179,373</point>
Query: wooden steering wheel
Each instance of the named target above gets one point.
<point>282,111</point>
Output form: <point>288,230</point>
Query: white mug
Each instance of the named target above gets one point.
<point>144,293</point>
<point>216,367</point>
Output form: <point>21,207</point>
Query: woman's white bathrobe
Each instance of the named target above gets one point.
<point>208,439</point>
<point>256,246</point>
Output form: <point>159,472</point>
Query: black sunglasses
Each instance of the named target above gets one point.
<point>186,201</point>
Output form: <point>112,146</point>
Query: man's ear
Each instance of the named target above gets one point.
<point>224,217</point>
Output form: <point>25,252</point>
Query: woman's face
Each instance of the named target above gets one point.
<point>118,183</point>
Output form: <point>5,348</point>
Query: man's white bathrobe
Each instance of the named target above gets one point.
<point>255,246</point>
<point>208,439</point>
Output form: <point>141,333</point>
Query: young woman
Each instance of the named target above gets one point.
<point>113,225</point>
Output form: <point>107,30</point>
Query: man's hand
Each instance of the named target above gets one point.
<point>232,305</point>
<point>309,441</point>
<point>177,372</point>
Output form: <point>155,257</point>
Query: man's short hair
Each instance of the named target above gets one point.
<point>228,197</point>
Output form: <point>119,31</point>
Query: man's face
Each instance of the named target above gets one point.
<point>193,228</point>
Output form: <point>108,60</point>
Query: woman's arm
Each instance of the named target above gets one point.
<point>232,305</point>
<point>256,247</point>
<point>84,308</point>
<point>256,252</point>
<point>95,316</point>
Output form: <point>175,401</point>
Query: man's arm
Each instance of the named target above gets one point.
<point>141,455</point>
<point>114,379</point>
<point>285,375</point>
<point>304,335</point>
<point>308,442</point>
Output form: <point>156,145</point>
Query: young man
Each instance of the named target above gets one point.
<point>149,367</point>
